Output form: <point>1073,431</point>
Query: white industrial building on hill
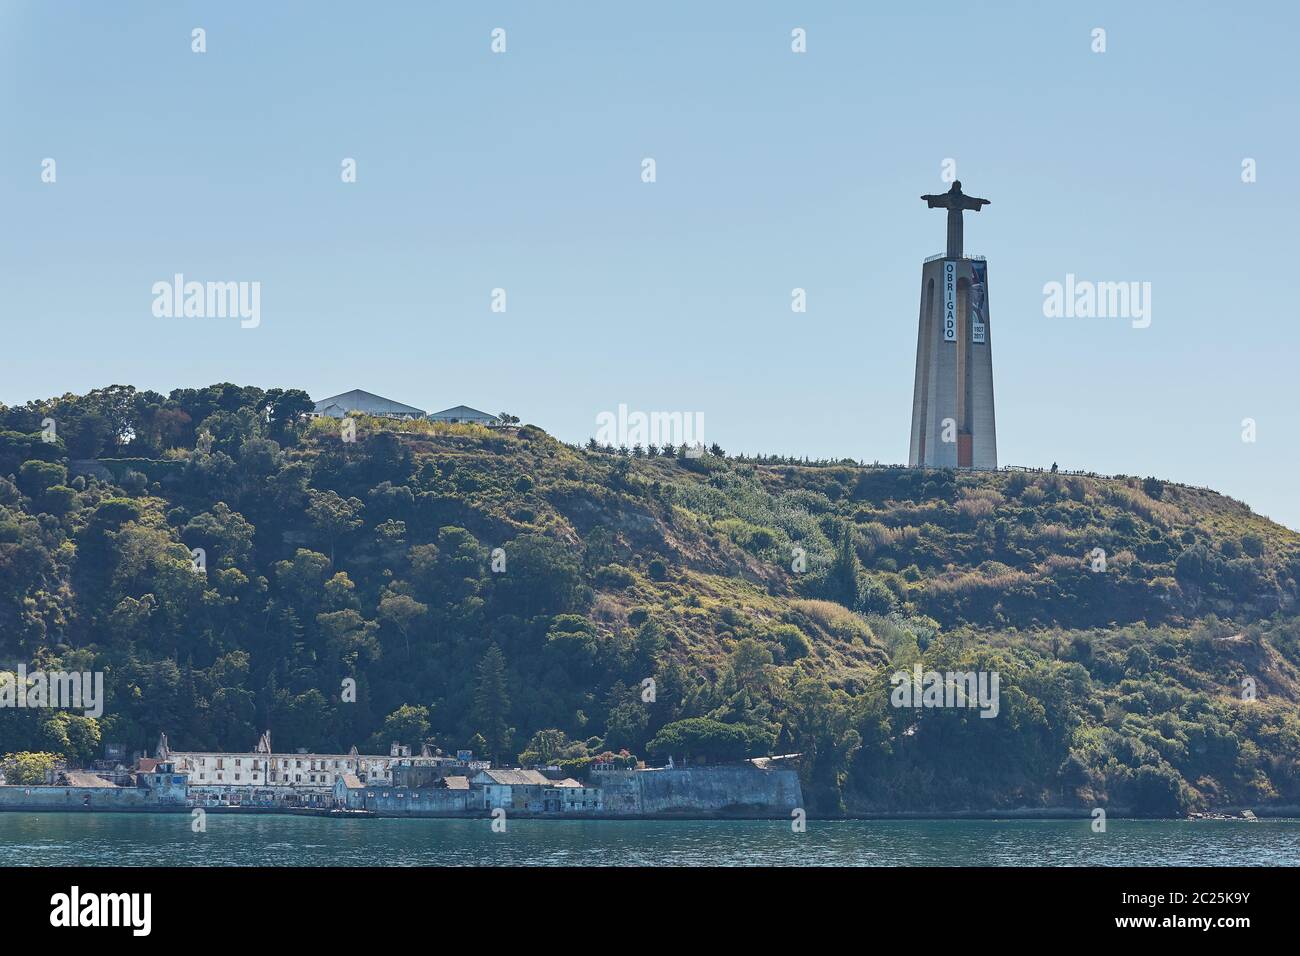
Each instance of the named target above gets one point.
<point>464,414</point>
<point>368,403</point>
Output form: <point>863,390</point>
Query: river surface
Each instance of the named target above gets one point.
<point>129,839</point>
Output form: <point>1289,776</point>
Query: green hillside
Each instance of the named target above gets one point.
<point>769,602</point>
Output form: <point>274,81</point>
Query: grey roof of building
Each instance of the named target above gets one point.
<point>517,778</point>
<point>462,411</point>
<point>359,400</point>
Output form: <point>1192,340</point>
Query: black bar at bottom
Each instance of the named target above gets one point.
<point>1217,903</point>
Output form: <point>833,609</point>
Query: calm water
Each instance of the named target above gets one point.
<point>28,839</point>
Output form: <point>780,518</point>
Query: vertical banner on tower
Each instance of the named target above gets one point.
<point>979,301</point>
<point>949,300</point>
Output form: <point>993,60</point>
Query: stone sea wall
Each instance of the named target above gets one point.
<point>724,791</point>
<point>77,798</point>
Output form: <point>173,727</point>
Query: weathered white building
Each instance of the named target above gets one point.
<point>349,792</point>
<point>510,789</point>
<point>264,776</point>
<point>570,796</point>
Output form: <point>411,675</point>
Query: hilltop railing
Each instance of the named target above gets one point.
<point>944,255</point>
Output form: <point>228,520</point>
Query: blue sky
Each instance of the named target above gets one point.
<point>775,170</point>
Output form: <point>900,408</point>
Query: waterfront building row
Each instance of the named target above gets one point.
<point>431,784</point>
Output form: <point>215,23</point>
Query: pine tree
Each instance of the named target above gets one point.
<point>492,702</point>
<point>843,579</point>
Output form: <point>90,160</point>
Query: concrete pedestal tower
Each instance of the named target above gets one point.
<point>952,401</point>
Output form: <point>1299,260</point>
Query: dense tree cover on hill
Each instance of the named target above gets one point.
<point>500,590</point>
